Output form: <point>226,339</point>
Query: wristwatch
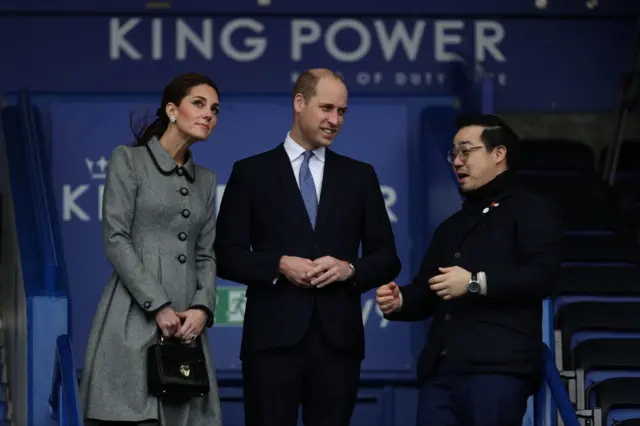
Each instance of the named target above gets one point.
<point>474,285</point>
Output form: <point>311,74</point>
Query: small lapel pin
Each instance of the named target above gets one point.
<point>494,204</point>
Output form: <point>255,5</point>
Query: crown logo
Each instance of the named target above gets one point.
<point>97,168</point>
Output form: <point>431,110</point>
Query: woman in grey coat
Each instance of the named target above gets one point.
<point>158,229</point>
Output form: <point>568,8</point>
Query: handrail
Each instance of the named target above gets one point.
<point>37,184</point>
<point>64,401</point>
<point>613,154</point>
<point>558,392</point>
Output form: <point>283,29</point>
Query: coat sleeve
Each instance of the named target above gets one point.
<point>379,263</point>
<point>540,235</point>
<point>118,210</point>
<point>205,296</point>
<point>237,261</point>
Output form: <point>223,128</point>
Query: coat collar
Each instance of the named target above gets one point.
<point>166,164</point>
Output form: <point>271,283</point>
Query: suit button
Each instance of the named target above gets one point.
<point>186,213</point>
<point>443,352</point>
<point>147,304</point>
<point>180,171</point>
<point>182,258</point>
<point>447,317</point>
<point>184,191</point>
<point>457,255</point>
<point>182,236</point>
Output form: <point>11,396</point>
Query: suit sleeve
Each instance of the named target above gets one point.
<point>418,300</point>
<point>540,241</point>
<point>236,260</point>
<point>118,209</point>
<point>205,295</point>
<point>379,263</point>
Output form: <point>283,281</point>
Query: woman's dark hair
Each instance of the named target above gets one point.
<point>173,93</point>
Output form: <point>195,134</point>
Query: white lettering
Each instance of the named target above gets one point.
<point>344,24</point>
<point>489,42</point>
<point>383,321</point>
<point>256,45</point>
<point>368,306</point>
<point>156,39</point>
<point>69,205</point>
<point>100,197</point>
<point>390,197</point>
<point>203,44</point>
<point>399,34</point>
<point>442,39</point>
<point>118,41</point>
<point>311,35</point>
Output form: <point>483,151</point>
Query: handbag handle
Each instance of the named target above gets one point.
<point>193,343</point>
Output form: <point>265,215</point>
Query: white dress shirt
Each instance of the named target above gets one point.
<point>316,162</point>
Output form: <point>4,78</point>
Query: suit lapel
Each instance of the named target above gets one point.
<point>290,192</point>
<point>330,187</point>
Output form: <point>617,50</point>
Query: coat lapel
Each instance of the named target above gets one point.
<point>486,210</point>
<point>330,187</point>
<point>291,196</point>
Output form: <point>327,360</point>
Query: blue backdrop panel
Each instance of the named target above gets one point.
<point>254,55</point>
<point>84,133</point>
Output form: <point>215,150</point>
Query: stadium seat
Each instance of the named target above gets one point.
<point>589,317</point>
<point>613,395</point>
<point>596,279</point>
<point>599,359</point>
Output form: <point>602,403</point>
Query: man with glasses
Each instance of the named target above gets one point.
<point>486,271</point>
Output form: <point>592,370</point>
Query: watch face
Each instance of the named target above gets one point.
<point>473,287</point>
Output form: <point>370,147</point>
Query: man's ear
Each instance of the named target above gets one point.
<point>299,102</point>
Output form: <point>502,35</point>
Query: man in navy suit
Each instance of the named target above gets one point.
<point>290,225</point>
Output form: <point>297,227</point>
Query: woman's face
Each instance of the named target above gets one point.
<point>197,114</point>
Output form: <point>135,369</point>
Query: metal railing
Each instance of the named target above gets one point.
<point>64,402</point>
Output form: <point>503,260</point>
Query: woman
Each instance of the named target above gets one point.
<point>158,229</point>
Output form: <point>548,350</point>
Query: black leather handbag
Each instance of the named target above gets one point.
<point>176,369</point>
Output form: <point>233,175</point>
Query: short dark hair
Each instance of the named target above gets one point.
<point>496,133</point>
<point>174,92</point>
<point>307,82</point>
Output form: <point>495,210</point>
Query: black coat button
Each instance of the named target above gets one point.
<point>457,255</point>
<point>184,191</point>
<point>182,258</point>
<point>147,304</point>
<point>180,172</point>
<point>182,236</point>
<point>186,213</point>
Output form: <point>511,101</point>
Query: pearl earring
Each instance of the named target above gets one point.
<point>172,119</point>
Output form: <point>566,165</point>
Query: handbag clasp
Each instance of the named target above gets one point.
<point>185,370</point>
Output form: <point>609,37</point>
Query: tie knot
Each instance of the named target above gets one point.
<point>307,155</point>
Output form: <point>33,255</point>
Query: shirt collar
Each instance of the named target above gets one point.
<point>166,164</point>
<point>294,150</point>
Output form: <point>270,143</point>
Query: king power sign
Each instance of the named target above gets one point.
<point>341,41</point>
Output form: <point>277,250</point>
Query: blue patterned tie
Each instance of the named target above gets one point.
<point>308,188</point>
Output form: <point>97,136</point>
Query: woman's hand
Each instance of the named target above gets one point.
<point>168,321</point>
<point>193,321</point>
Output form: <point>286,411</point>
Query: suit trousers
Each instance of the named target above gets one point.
<point>448,398</point>
<point>313,374</point>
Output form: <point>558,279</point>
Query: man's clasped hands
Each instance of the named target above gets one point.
<point>318,273</point>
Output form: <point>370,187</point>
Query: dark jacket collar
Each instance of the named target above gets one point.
<point>500,186</point>
<point>166,164</point>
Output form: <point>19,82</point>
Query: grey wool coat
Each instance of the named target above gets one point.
<point>158,227</point>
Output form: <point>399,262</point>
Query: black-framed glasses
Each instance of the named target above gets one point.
<point>462,153</point>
